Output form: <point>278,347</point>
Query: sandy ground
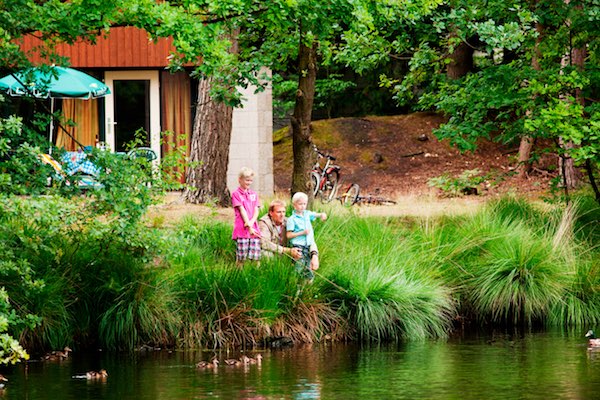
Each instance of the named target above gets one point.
<point>172,210</point>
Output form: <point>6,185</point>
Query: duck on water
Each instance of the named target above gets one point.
<point>93,375</point>
<point>593,342</point>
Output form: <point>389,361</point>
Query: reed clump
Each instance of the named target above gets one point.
<point>79,280</point>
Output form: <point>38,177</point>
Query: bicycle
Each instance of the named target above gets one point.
<point>325,179</point>
<point>352,196</point>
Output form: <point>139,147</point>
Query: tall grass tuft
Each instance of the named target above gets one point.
<point>310,319</point>
<point>381,306</point>
<point>518,277</point>
<point>213,240</point>
<point>580,304</point>
<point>51,302</point>
<point>375,283</point>
<point>586,226</point>
<point>144,312</point>
<point>515,209</point>
<point>446,247</point>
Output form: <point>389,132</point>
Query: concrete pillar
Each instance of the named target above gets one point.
<point>252,141</point>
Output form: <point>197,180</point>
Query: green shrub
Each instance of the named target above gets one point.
<point>10,349</point>
<point>468,182</point>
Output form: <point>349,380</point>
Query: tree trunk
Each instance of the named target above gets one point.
<point>526,145</point>
<point>301,118</point>
<point>567,166</point>
<point>523,163</point>
<point>206,178</point>
<point>461,61</point>
<point>565,163</point>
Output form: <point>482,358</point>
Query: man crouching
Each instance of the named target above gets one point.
<point>273,239</point>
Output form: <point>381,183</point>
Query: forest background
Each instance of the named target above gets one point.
<point>522,73</point>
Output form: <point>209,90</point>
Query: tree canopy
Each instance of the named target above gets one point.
<point>501,70</point>
<point>497,69</point>
<point>532,71</point>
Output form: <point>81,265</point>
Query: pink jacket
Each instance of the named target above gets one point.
<point>249,201</point>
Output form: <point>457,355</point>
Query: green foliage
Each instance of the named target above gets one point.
<point>128,185</point>
<point>67,260</point>
<point>477,108</point>
<point>10,349</point>
<point>329,91</point>
<point>468,182</point>
<point>21,171</point>
<point>333,26</point>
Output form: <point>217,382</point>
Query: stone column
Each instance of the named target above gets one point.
<point>252,140</point>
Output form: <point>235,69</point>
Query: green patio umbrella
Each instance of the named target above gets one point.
<point>54,83</point>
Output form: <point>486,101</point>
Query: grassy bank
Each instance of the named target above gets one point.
<point>79,281</point>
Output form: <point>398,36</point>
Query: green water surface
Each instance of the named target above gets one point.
<point>547,365</point>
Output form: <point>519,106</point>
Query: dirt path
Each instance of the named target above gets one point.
<point>173,209</point>
<point>422,206</point>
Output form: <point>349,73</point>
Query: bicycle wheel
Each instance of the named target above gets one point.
<point>314,181</point>
<point>331,186</point>
<point>351,196</point>
<point>385,202</point>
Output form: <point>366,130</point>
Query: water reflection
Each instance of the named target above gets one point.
<point>475,366</point>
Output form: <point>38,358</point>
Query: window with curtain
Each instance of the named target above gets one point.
<point>83,125</point>
<point>176,115</point>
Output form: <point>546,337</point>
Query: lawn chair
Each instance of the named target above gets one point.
<point>85,175</point>
<point>146,155</point>
<point>142,152</point>
<point>77,162</point>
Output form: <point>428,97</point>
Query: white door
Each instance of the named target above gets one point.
<point>134,103</point>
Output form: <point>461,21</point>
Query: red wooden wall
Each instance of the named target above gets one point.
<point>125,47</point>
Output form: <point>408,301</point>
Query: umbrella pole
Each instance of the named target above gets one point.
<point>51,123</point>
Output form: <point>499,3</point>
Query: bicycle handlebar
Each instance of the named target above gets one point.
<point>319,152</point>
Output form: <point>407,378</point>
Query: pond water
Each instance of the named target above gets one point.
<point>546,365</point>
